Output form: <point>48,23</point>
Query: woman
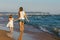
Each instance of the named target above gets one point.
<point>22,16</point>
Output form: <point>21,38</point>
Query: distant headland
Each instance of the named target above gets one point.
<point>28,13</point>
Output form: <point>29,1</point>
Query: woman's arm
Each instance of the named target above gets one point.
<point>26,17</point>
<point>18,14</point>
<point>15,19</point>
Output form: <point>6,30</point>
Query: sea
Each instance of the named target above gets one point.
<point>45,23</point>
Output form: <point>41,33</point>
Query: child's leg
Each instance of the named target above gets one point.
<point>11,29</point>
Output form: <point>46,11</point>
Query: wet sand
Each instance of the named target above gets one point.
<point>3,35</point>
<point>28,35</point>
<point>40,35</point>
<point>43,36</point>
<point>15,34</point>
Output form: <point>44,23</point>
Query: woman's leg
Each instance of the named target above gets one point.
<point>21,30</point>
<point>22,26</point>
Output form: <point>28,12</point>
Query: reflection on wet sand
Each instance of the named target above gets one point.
<point>27,35</point>
<point>21,36</point>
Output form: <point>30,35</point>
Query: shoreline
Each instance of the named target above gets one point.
<point>34,35</point>
<point>29,35</point>
<point>43,35</point>
<point>3,35</point>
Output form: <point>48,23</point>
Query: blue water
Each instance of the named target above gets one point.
<point>43,22</point>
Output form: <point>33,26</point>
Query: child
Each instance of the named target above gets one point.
<point>10,25</point>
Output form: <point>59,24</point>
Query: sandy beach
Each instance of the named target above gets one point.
<point>3,35</point>
<point>28,35</point>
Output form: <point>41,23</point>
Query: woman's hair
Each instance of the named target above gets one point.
<point>10,16</point>
<point>20,9</point>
